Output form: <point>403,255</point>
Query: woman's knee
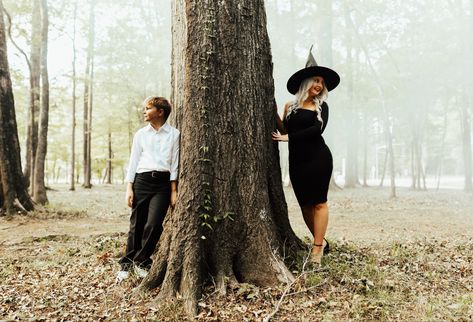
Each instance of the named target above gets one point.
<point>320,206</point>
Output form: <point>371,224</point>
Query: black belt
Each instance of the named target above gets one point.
<point>156,174</point>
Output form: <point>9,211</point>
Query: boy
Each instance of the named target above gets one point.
<point>152,185</point>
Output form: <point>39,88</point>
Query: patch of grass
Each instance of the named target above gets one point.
<point>53,212</point>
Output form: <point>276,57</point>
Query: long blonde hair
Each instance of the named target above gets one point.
<point>302,95</point>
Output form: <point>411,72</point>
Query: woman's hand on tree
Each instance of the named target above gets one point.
<point>280,137</point>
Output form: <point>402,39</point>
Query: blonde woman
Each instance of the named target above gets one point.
<point>310,160</point>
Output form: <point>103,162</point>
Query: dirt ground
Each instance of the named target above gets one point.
<point>406,259</point>
<point>363,215</point>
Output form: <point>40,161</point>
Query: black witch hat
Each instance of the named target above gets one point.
<point>331,78</point>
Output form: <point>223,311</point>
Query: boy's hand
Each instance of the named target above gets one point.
<point>129,195</point>
<point>173,199</point>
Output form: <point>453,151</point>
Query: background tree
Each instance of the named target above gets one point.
<point>88,99</point>
<point>35,91</point>
<point>39,191</point>
<point>231,220</point>
<point>12,183</point>
<point>74,98</point>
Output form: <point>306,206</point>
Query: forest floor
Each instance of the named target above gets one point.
<point>408,258</point>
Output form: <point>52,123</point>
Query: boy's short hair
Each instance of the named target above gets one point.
<point>159,103</point>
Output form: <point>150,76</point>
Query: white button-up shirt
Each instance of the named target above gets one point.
<point>154,151</point>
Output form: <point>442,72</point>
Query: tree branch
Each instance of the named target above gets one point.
<point>13,42</point>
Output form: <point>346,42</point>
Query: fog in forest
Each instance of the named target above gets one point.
<point>403,106</point>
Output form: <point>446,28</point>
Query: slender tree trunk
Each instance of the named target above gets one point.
<point>231,220</point>
<point>11,176</point>
<point>467,106</point>
<point>35,90</point>
<point>74,85</point>
<point>351,175</point>
<point>442,148</point>
<point>466,142</point>
<point>413,162</point>
<point>108,178</point>
<point>385,166</point>
<point>88,99</point>
<point>39,191</point>
<point>365,150</point>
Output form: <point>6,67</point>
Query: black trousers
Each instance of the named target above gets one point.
<point>152,195</point>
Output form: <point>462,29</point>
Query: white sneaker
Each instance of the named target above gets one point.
<point>121,276</point>
<point>140,272</point>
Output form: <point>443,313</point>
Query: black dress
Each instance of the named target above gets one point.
<point>310,159</point>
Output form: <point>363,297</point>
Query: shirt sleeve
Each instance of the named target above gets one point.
<point>136,150</point>
<point>175,158</point>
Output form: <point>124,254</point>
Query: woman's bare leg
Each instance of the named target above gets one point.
<point>320,222</point>
<point>308,214</point>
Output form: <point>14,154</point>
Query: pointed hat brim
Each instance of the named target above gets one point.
<point>331,78</point>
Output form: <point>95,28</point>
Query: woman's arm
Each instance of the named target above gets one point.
<point>279,122</point>
<point>313,131</point>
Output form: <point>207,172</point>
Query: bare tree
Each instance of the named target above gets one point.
<point>231,217</point>
<point>351,173</point>
<point>88,98</point>
<point>39,191</point>
<point>464,102</point>
<point>108,168</point>
<point>12,185</point>
<point>74,86</point>
<point>35,93</point>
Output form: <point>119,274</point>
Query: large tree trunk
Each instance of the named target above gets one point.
<point>33,111</point>
<point>39,192</point>
<point>11,176</point>
<point>231,218</point>
<point>88,99</point>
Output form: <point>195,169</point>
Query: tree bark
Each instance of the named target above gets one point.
<point>11,176</point>
<point>88,82</point>
<point>231,218</point>
<point>39,191</point>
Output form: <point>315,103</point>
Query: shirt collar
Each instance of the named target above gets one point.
<point>165,127</point>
